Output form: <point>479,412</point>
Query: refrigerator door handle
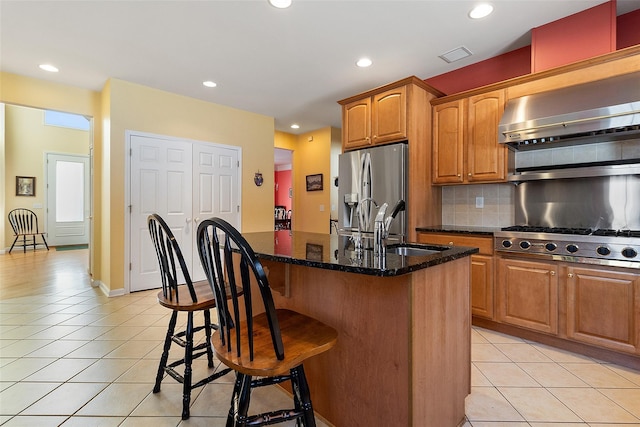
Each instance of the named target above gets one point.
<point>365,192</point>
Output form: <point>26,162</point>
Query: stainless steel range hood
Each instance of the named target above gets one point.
<point>604,110</point>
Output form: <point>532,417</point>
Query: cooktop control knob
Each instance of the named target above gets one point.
<point>525,245</point>
<point>506,243</point>
<point>571,248</point>
<point>629,253</point>
<point>551,247</point>
<point>603,250</point>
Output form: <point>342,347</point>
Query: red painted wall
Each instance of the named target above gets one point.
<point>283,182</point>
<point>628,29</point>
<point>580,36</point>
<point>502,67</point>
<point>518,62</point>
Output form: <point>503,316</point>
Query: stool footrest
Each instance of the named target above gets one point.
<point>266,381</point>
<point>210,378</point>
<point>275,417</point>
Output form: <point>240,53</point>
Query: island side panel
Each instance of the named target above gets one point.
<point>365,379</point>
<point>441,350</point>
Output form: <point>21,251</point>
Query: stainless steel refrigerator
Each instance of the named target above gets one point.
<point>367,178</point>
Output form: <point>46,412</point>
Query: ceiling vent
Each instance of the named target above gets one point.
<point>456,54</point>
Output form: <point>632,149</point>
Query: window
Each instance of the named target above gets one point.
<point>67,120</point>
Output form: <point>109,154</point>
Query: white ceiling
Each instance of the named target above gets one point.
<point>291,64</point>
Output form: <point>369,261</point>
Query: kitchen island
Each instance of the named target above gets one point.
<point>404,323</point>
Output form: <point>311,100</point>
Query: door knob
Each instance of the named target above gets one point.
<point>196,219</point>
<point>188,220</point>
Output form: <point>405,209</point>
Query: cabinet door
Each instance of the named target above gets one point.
<point>528,294</point>
<point>482,270</point>
<point>356,122</point>
<point>389,119</point>
<point>486,158</point>
<point>448,137</point>
<point>603,308</point>
<point>482,286</point>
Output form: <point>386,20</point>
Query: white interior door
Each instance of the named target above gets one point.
<point>184,182</point>
<point>160,183</point>
<point>68,200</point>
<point>215,189</point>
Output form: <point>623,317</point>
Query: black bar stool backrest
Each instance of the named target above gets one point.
<point>216,235</point>
<point>169,257</point>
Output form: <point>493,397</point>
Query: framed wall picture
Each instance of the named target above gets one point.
<point>314,182</point>
<point>25,185</point>
<point>314,252</point>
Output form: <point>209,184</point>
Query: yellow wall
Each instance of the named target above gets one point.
<point>139,108</point>
<point>125,106</point>
<point>26,140</point>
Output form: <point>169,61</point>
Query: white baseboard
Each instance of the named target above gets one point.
<point>105,290</point>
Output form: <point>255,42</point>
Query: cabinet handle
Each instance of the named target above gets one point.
<point>553,273</point>
<point>458,175</point>
<point>469,174</point>
<point>570,275</point>
<point>451,243</point>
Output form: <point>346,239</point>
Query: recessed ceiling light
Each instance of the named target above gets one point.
<point>280,4</point>
<point>209,83</point>
<point>295,126</point>
<point>49,67</point>
<point>364,62</point>
<point>480,11</point>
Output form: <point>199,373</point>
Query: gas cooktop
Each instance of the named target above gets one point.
<point>600,246</point>
<point>569,230</point>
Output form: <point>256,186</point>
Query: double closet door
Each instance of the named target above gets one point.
<point>184,182</point>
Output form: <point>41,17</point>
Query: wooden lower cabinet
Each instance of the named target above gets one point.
<point>527,294</point>
<point>481,267</point>
<point>482,286</point>
<point>603,308</point>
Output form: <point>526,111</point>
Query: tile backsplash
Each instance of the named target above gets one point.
<point>459,205</point>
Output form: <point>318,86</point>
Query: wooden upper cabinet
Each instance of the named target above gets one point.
<point>376,119</point>
<point>448,142</point>
<point>465,140</point>
<point>356,124</point>
<point>389,116</point>
<point>486,158</point>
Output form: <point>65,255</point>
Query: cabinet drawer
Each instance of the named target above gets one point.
<point>484,244</point>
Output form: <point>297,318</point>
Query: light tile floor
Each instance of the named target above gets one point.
<point>77,358</point>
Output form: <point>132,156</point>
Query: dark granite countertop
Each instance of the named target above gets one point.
<point>336,253</point>
<point>487,231</point>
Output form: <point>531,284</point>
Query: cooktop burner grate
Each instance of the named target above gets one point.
<point>556,230</point>
<point>616,233</point>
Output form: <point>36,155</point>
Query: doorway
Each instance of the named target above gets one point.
<point>29,136</point>
<point>283,189</point>
<point>68,206</point>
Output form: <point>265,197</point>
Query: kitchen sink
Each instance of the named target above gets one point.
<point>414,250</point>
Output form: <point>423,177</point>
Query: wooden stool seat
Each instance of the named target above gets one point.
<point>183,302</point>
<point>302,337</point>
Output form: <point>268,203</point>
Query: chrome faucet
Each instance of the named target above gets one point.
<point>382,225</point>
